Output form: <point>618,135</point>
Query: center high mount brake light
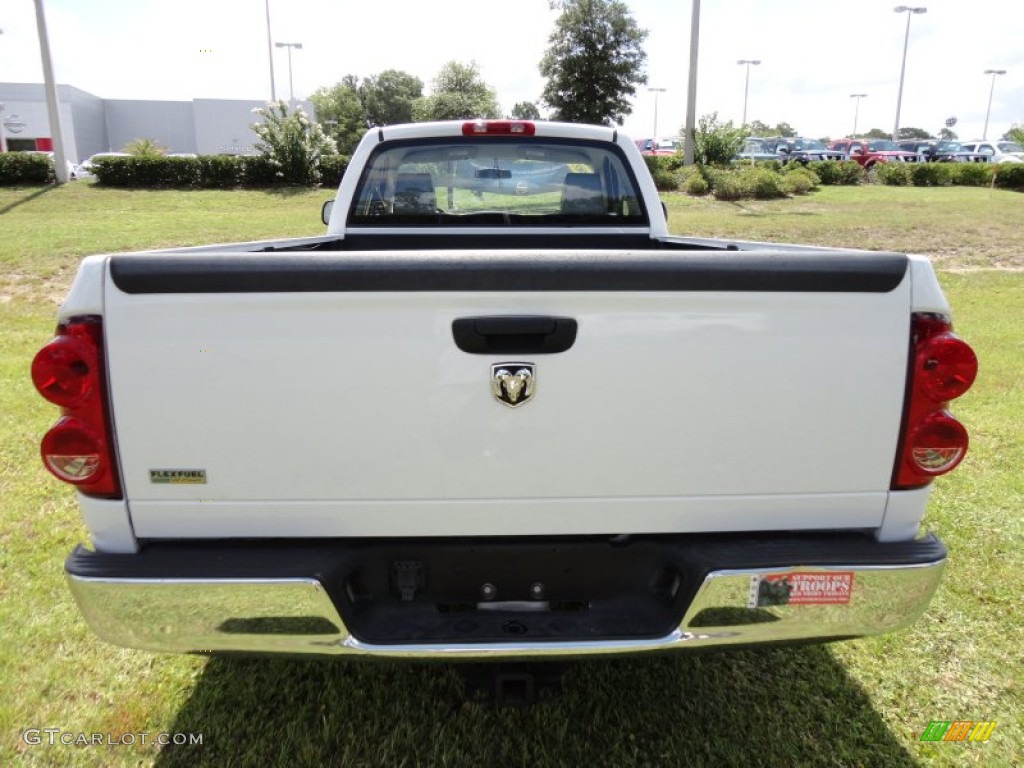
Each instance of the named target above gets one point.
<point>498,128</point>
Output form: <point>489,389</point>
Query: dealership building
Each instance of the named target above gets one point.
<point>91,124</point>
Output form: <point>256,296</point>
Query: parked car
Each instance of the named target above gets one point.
<point>87,165</point>
<point>756,148</point>
<point>800,150</point>
<point>996,151</point>
<point>867,152</point>
<point>666,146</point>
<point>935,151</point>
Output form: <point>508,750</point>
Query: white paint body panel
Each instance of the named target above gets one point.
<point>353,414</point>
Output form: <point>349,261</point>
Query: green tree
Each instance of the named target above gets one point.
<point>594,62</point>
<point>913,133</point>
<point>785,130</point>
<point>388,97</point>
<point>292,143</point>
<point>715,142</point>
<point>525,110</point>
<point>757,128</point>
<point>145,148</point>
<point>876,133</point>
<point>340,112</point>
<point>948,134</point>
<point>458,93</point>
<point>1016,133</point>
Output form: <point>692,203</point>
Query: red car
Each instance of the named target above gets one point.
<point>867,152</point>
<point>667,146</point>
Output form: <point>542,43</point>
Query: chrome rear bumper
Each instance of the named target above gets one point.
<point>298,616</point>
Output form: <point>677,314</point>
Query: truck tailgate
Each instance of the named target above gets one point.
<point>325,395</point>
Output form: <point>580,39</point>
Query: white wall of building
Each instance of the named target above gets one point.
<point>91,124</point>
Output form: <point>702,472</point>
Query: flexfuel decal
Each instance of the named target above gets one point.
<point>178,476</point>
<point>806,588</point>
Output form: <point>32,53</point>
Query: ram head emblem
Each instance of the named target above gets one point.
<point>513,384</point>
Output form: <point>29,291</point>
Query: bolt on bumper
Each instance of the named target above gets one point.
<point>298,616</point>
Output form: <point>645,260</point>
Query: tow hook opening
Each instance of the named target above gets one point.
<point>512,685</point>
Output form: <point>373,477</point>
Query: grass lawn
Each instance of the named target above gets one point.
<point>860,703</point>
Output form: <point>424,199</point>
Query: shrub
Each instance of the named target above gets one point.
<point>728,185</point>
<point>930,174</point>
<point>894,174</point>
<point>292,144</point>
<point>332,168</point>
<point>837,171</point>
<point>1010,175</point>
<point>25,168</point>
<point>174,171</point>
<point>799,181</point>
<point>762,183</point>
<point>662,172</point>
<point>693,182</point>
<point>803,170</point>
<point>145,148</point>
<point>971,174</point>
<point>205,171</point>
<point>716,143</point>
<point>257,171</point>
<point>146,171</point>
<point>218,171</point>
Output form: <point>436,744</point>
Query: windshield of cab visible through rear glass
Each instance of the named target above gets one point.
<point>882,146</point>
<point>1010,146</point>
<point>489,181</point>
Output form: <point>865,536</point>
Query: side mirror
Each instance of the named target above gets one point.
<point>782,151</point>
<point>856,151</point>
<point>325,211</point>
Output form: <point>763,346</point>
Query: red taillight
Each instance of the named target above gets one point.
<point>945,367</point>
<point>63,371</point>
<point>69,372</point>
<point>942,368</point>
<point>498,128</point>
<point>938,444</point>
<point>72,452</point>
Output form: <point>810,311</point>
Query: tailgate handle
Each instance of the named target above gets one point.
<point>514,334</point>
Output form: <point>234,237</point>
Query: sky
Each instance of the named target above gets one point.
<point>813,53</point>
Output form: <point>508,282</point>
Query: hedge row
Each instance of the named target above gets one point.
<point>205,171</point>
<point>745,182</point>
<point>25,168</point>
<point>755,180</point>
<point>1004,175</point>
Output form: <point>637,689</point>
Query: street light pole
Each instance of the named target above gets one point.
<point>993,72</point>
<point>691,88</point>
<point>903,67</point>
<point>856,111</point>
<point>746,85</point>
<point>270,56</point>
<point>291,85</point>
<point>656,91</point>
<point>60,166</point>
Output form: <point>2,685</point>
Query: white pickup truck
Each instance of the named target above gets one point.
<point>497,411</point>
